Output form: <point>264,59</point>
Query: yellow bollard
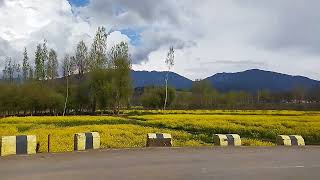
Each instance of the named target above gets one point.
<point>23,144</point>
<point>220,140</point>
<point>85,141</point>
<point>226,140</point>
<point>290,140</point>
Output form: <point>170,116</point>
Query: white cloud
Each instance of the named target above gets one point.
<point>265,35</point>
<point>115,38</point>
<point>25,23</point>
<point>210,36</point>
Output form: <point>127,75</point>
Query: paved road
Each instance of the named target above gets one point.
<point>168,163</point>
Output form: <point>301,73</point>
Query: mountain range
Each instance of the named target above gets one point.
<point>249,80</point>
<point>157,78</point>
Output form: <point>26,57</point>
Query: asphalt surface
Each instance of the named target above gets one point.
<point>241,163</point>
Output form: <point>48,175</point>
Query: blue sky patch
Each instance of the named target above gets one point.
<point>133,33</point>
<point>79,3</point>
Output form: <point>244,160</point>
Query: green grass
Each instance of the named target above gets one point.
<point>188,128</point>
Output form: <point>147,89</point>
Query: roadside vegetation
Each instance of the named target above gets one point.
<point>94,79</point>
<point>188,128</point>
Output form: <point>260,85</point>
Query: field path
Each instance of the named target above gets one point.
<point>168,163</point>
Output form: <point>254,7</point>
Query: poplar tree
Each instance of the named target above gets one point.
<point>17,72</point>
<point>121,81</point>
<point>169,62</point>
<point>41,57</point>
<point>66,66</point>
<point>38,72</point>
<point>44,59</point>
<point>67,71</point>
<point>8,72</point>
<point>12,70</point>
<point>98,50</point>
<point>25,65</point>
<point>31,74</point>
<point>52,65</point>
<point>81,58</point>
<point>97,65</point>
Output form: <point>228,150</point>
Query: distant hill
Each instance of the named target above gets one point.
<point>250,80</point>
<point>255,79</point>
<point>148,78</point>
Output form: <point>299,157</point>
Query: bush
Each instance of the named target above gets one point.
<point>154,97</point>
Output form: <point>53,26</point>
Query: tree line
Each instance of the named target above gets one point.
<point>92,80</point>
<point>203,95</point>
<point>89,79</point>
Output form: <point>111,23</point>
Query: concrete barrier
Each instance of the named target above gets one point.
<point>290,140</point>
<point>226,140</point>
<point>159,140</point>
<point>85,141</point>
<point>23,144</point>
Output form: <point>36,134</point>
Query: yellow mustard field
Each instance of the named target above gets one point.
<point>188,128</point>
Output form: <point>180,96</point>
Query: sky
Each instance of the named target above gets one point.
<point>209,36</point>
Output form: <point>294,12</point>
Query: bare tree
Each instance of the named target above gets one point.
<point>12,70</point>
<point>169,62</point>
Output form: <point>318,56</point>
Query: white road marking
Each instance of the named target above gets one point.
<point>286,167</point>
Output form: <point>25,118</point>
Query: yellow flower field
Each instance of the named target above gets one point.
<point>188,128</point>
